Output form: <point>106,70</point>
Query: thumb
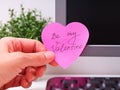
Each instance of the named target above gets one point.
<point>33,59</point>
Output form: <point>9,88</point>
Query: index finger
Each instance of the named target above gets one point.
<point>11,44</point>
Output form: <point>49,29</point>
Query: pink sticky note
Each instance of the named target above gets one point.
<point>67,42</point>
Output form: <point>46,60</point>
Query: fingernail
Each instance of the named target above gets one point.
<point>26,83</point>
<point>49,54</point>
<point>33,78</point>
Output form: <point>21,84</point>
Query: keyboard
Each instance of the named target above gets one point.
<point>83,83</point>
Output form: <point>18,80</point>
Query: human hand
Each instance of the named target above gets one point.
<point>22,61</point>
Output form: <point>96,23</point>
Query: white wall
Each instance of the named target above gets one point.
<point>47,7</point>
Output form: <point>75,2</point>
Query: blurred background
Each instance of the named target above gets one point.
<point>47,7</point>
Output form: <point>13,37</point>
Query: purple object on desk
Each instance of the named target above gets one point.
<point>66,83</point>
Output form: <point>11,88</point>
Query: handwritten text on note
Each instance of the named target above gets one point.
<point>67,42</point>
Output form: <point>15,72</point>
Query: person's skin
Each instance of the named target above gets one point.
<point>22,61</point>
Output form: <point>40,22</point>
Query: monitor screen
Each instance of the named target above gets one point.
<point>102,18</point>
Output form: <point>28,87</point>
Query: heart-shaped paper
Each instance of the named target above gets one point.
<point>67,42</point>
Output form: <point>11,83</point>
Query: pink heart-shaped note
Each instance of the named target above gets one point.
<point>67,42</point>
